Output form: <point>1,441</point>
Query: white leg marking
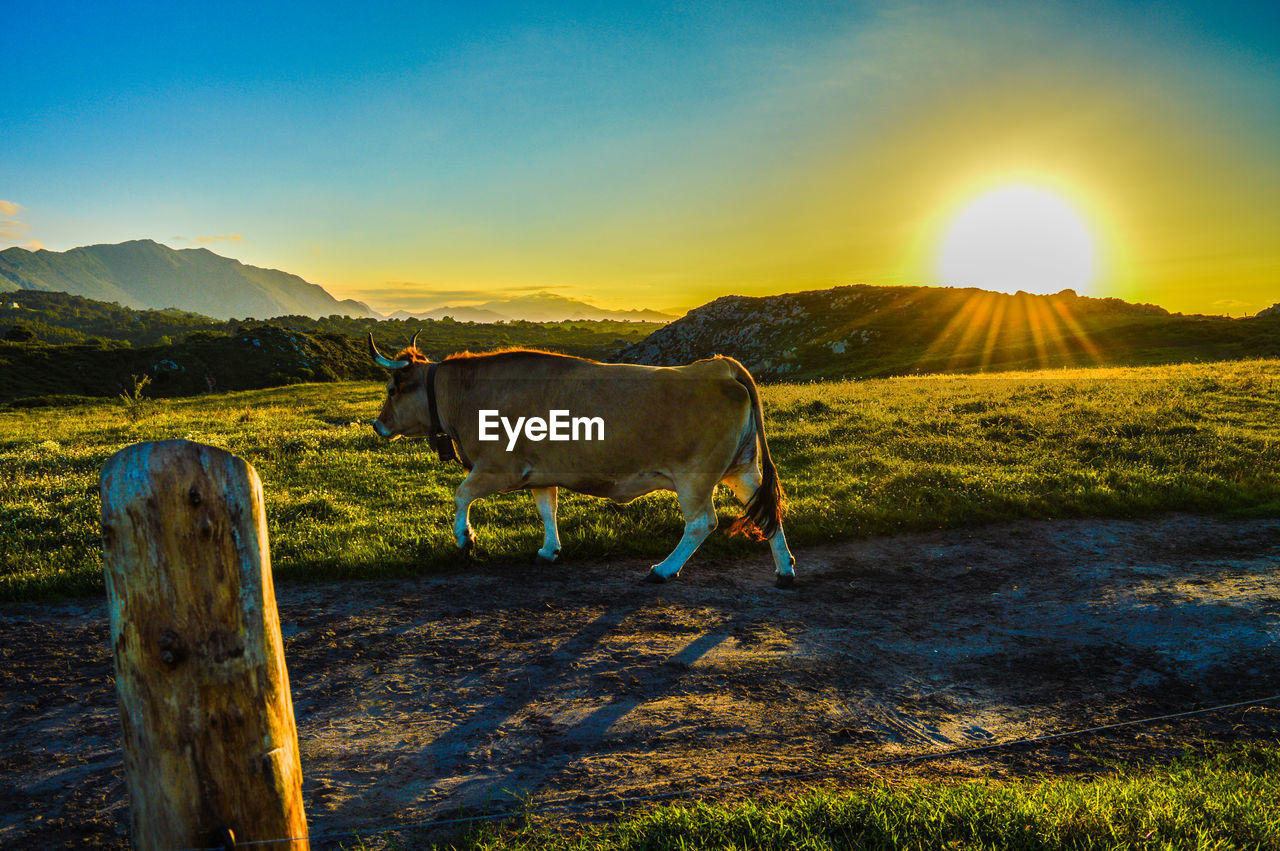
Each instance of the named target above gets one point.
<point>784,564</point>
<point>461,521</point>
<point>698,524</point>
<point>476,485</point>
<point>744,486</point>
<point>546,499</point>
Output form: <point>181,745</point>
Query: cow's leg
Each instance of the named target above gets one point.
<point>545,499</point>
<point>475,486</point>
<point>744,485</point>
<point>699,522</point>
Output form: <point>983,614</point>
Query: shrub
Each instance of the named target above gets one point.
<point>136,406</point>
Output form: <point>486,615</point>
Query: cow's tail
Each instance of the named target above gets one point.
<point>762,516</point>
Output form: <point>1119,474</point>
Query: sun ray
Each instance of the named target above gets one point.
<point>982,310</point>
<point>1077,331</point>
<point>961,323</point>
<point>994,331</point>
<point>1045,326</point>
<point>1061,340</point>
<point>987,329</point>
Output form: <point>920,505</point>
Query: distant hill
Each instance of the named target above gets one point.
<point>259,357</point>
<point>536,307</point>
<point>1273,310</point>
<point>864,331</point>
<point>144,274</point>
<point>458,314</point>
<point>59,318</point>
<point>59,344</point>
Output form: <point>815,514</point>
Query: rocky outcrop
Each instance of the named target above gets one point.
<point>864,331</point>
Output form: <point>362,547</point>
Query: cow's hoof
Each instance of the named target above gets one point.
<point>541,559</point>
<point>655,578</point>
<point>785,580</point>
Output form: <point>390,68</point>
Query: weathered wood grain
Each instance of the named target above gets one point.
<point>208,728</point>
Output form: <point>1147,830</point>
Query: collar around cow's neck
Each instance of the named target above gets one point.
<point>433,411</point>
<point>440,439</point>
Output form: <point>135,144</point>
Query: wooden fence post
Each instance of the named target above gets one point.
<point>210,743</point>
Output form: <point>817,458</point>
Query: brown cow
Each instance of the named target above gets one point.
<point>527,419</point>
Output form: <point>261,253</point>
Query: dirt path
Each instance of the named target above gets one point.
<point>418,698</point>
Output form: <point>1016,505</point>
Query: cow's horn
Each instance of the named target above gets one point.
<point>413,344</point>
<point>385,363</point>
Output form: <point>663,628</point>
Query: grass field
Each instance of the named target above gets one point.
<point>857,458</point>
<point>1222,800</point>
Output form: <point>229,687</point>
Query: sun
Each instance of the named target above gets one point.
<point>1019,237</point>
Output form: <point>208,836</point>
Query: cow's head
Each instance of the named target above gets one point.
<point>405,411</point>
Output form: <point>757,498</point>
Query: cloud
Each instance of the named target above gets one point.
<point>536,288</point>
<point>420,293</point>
<point>34,245</point>
<point>401,286</point>
<point>1234,305</point>
<point>422,297</point>
<point>228,237</point>
<point>11,230</point>
<point>406,295</point>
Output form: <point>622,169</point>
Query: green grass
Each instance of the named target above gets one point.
<point>857,458</point>
<point>1220,801</point>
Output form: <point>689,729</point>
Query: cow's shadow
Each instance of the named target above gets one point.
<point>911,645</point>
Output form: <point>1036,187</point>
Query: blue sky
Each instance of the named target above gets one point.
<point>647,155</point>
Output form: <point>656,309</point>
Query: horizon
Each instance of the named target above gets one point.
<point>658,158</point>
<point>485,300</point>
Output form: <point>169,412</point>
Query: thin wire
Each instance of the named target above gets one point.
<point>549,809</point>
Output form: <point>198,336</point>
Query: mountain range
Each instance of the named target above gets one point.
<point>845,332</point>
<point>536,307</point>
<point>145,274</point>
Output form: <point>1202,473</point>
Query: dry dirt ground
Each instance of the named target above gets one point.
<point>503,685</point>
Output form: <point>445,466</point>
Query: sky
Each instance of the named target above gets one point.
<point>650,155</point>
